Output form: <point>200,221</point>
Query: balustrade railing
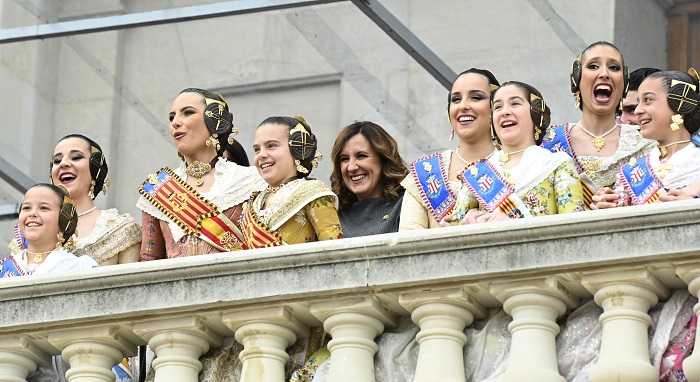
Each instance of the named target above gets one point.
<point>627,259</point>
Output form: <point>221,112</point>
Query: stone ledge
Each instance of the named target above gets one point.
<point>388,263</point>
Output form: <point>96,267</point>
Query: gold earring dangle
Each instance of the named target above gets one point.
<point>676,120</point>
<point>452,135</point>
<point>577,99</point>
<point>213,141</point>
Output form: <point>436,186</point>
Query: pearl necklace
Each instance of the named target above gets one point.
<point>664,147</point>
<point>598,140</point>
<point>506,156</point>
<point>87,212</point>
<point>465,161</point>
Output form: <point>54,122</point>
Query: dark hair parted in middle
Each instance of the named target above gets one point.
<point>68,216</point>
<point>539,110</point>
<point>489,76</point>
<point>394,168</point>
<point>98,164</point>
<point>217,117</point>
<point>302,142</point>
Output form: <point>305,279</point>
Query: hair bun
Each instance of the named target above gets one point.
<point>683,96</point>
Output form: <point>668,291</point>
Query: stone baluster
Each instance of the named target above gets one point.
<point>625,296</point>
<point>353,323</point>
<point>178,344</point>
<point>442,316</point>
<point>534,305</point>
<point>690,273</point>
<point>265,334</point>
<point>19,357</point>
<point>93,351</point>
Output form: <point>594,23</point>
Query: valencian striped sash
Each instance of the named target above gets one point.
<point>492,190</point>
<point>431,179</point>
<point>190,211</point>
<point>256,233</point>
<point>557,139</point>
<point>641,181</point>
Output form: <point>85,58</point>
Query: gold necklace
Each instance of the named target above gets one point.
<point>197,170</point>
<point>664,147</point>
<point>506,155</point>
<point>38,256</point>
<point>598,140</point>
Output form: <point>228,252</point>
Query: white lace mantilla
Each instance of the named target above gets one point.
<point>603,170</point>
<point>233,184</point>
<point>684,166</point>
<point>112,234</point>
<point>289,200</point>
<point>536,164</point>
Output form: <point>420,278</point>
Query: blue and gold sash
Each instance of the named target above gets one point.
<point>492,190</point>
<point>557,139</point>
<point>431,179</point>
<point>641,181</point>
<point>190,211</point>
<point>10,268</point>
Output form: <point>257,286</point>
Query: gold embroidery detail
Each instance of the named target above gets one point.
<point>179,201</point>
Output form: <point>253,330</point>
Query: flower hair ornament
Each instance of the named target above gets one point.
<point>303,146</point>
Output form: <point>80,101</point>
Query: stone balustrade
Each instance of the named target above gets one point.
<point>537,269</point>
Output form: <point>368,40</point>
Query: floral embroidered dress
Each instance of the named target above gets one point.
<point>603,170</point>
<point>415,213</point>
<point>163,238</point>
<point>301,211</point>
<point>114,235</point>
<point>546,182</point>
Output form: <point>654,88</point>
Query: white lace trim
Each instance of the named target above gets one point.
<point>232,186</point>
<point>685,166</point>
<point>536,164</point>
<point>630,144</point>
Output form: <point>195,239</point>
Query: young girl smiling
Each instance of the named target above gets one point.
<point>292,209</point>
<point>48,221</point>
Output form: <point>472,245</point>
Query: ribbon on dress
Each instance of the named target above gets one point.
<point>10,268</point>
<point>640,179</point>
<point>256,233</point>
<point>190,211</point>
<point>557,139</point>
<point>492,190</point>
<point>431,179</point>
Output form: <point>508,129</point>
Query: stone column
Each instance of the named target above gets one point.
<point>353,323</point>
<point>690,273</point>
<point>534,306</point>
<point>265,334</point>
<point>442,316</point>
<point>93,351</point>
<point>625,296</point>
<point>178,344</point>
<point>18,358</point>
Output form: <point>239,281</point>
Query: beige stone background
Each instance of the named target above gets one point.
<point>329,63</point>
